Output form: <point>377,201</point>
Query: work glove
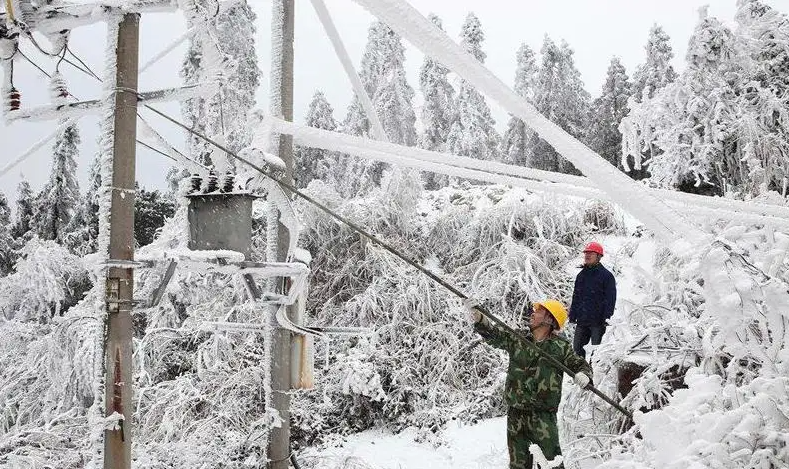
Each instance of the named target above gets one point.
<point>582,380</point>
<point>472,313</point>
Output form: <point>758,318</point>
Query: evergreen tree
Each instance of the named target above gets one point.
<point>370,73</point>
<point>394,97</point>
<point>473,132</point>
<point>717,128</point>
<point>7,251</point>
<point>608,110</point>
<point>83,231</point>
<point>384,79</point>
<point>515,143</point>
<point>559,95</point>
<point>223,115</point>
<point>315,163</point>
<point>657,71</point>
<point>438,110</point>
<point>21,229</point>
<point>151,210</point>
<point>56,203</point>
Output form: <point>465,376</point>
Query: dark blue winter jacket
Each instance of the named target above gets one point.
<point>594,296</point>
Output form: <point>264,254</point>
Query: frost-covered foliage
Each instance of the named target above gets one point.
<point>229,59</point>
<point>721,127</point>
<point>515,143</point>
<point>709,334</point>
<point>423,365</point>
<point>560,96</point>
<point>656,72</point>
<point>23,212</point>
<point>151,211</point>
<point>438,110</point>
<point>47,376</point>
<point>7,254</point>
<point>57,202</point>
<point>384,78</point>
<point>83,231</point>
<point>315,163</point>
<point>607,113</point>
<point>473,133</point>
<point>47,280</point>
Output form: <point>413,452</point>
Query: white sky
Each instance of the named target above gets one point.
<point>596,30</point>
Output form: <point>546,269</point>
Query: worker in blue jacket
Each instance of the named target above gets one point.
<point>594,299</point>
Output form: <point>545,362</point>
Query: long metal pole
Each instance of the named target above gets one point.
<point>282,105</point>
<point>120,281</point>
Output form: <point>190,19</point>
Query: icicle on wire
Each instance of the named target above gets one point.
<point>457,292</point>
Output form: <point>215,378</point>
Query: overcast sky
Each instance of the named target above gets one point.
<point>596,30</point>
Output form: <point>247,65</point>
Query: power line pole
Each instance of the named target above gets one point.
<point>120,281</point>
<point>282,105</point>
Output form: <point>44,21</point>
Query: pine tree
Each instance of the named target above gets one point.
<point>657,71</point>
<point>473,132</point>
<point>21,230</point>
<point>608,110</point>
<point>559,95</point>
<point>515,143</point>
<point>56,203</point>
<point>315,163</point>
<point>224,114</point>
<point>7,251</point>
<point>394,97</point>
<point>83,231</point>
<point>370,73</point>
<point>383,76</point>
<point>438,110</point>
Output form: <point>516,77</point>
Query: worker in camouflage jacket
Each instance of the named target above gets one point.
<point>534,386</point>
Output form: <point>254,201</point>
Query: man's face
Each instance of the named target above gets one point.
<point>539,316</point>
<point>591,258</point>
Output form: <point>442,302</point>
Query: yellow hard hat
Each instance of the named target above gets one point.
<point>556,309</point>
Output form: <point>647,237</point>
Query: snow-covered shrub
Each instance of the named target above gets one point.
<point>47,388</point>
<point>48,279</point>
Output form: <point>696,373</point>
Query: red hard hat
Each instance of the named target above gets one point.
<point>594,247</point>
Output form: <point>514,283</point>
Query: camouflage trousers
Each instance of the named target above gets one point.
<point>525,427</point>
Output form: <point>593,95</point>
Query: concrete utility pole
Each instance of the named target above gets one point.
<point>282,105</point>
<point>120,281</point>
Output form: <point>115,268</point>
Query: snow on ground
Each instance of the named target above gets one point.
<point>466,447</point>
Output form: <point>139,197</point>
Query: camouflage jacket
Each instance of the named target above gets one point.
<point>532,382</point>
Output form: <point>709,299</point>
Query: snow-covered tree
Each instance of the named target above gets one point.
<point>608,110</point>
<point>473,132</point>
<point>151,210</point>
<point>370,73</point>
<point>394,97</point>
<point>23,214</point>
<point>56,203</point>
<point>383,75</point>
<point>656,72</point>
<point>7,255</point>
<point>722,126</point>
<point>438,109</point>
<point>560,96</point>
<point>224,114</point>
<point>439,101</point>
<point>515,143</point>
<point>315,163</point>
<point>83,230</point>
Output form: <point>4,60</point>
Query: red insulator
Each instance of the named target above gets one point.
<point>14,99</point>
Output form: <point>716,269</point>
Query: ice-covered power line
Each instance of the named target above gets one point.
<point>663,220</point>
<point>389,248</point>
<point>536,180</point>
